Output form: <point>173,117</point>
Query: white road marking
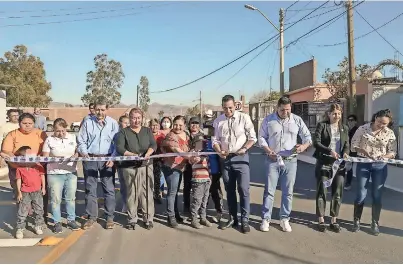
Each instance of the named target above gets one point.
<point>26,242</point>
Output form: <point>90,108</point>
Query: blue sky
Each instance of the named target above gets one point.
<point>177,42</point>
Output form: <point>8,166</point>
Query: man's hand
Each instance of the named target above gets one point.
<point>109,164</point>
<point>299,148</point>
<point>194,159</point>
<point>272,155</point>
<point>241,151</point>
<point>43,191</point>
<point>19,197</point>
<point>75,155</point>
<point>85,155</point>
<point>335,155</point>
<point>223,154</point>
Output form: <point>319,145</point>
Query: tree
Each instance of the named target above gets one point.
<point>144,94</point>
<point>195,111</point>
<point>338,82</point>
<point>161,114</point>
<point>265,96</point>
<point>104,81</point>
<point>26,77</point>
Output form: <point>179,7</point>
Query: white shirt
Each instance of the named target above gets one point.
<point>57,147</point>
<point>234,132</point>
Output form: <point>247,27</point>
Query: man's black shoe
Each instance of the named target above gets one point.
<point>231,223</point>
<point>245,228</point>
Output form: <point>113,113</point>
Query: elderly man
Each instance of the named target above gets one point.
<point>40,120</point>
<point>234,134</point>
<point>95,139</point>
<point>278,137</point>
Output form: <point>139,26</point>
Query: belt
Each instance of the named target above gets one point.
<point>93,155</point>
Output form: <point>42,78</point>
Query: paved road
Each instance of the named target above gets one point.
<point>211,245</point>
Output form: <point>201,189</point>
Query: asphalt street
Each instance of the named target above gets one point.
<point>211,245</point>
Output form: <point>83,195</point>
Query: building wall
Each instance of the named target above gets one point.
<point>302,75</point>
<point>308,94</point>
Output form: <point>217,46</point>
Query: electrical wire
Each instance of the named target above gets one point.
<point>78,20</point>
<point>388,42</point>
<point>236,59</point>
<point>320,26</point>
<point>78,14</point>
<point>55,10</point>
<point>361,36</point>
<point>291,5</point>
<point>318,15</point>
<point>288,18</point>
<point>307,9</point>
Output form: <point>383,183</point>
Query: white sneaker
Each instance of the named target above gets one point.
<point>265,226</point>
<point>19,234</point>
<point>285,225</point>
<point>38,230</point>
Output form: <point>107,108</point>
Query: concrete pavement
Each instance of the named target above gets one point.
<point>211,245</point>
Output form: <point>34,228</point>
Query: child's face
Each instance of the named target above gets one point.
<point>26,152</point>
<point>124,123</point>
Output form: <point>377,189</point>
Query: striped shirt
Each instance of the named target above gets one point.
<point>200,170</point>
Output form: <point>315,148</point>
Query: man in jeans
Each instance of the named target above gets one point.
<point>95,139</point>
<point>234,134</point>
<point>278,137</point>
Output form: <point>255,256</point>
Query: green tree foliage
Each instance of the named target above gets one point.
<point>144,94</point>
<point>104,81</point>
<point>25,76</point>
<point>161,114</point>
<point>194,111</point>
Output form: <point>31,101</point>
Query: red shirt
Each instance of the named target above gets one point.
<point>159,137</point>
<point>30,178</point>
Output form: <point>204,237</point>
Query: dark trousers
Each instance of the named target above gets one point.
<point>157,177</point>
<point>216,192</point>
<point>34,200</point>
<point>93,171</point>
<point>323,173</point>
<point>235,170</point>
<point>187,186</point>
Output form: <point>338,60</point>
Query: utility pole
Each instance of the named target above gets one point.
<point>281,51</point>
<point>351,60</point>
<point>271,89</point>
<point>138,89</point>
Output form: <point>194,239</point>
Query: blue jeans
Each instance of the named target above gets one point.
<point>378,173</point>
<point>235,170</point>
<point>63,186</point>
<point>123,189</point>
<point>173,178</point>
<point>287,176</point>
<point>162,181</point>
<point>94,170</point>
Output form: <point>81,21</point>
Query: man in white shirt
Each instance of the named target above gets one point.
<point>234,134</point>
<point>12,123</point>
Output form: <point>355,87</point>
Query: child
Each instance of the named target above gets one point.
<point>30,190</point>
<point>200,185</point>
<point>215,171</point>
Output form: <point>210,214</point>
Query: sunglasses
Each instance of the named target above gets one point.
<point>195,123</point>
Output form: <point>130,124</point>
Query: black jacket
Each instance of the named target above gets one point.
<point>323,137</point>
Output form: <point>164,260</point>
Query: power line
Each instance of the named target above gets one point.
<point>243,67</point>
<point>78,20</point>
<point>236,59</point>
<point>291,5</point>
<point>288,18</point>
<point>53,10</point>
<point>77,14</point>
<point>318,15</point>
<point>307,9</point>
<point>321,25</point>
<point>388,42</point>
<point>361,36</point>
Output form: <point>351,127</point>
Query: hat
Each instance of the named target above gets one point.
<point>194,119</point>
<point>209,113</point>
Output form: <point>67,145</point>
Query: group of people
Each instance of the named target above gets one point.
<point>230,136</point>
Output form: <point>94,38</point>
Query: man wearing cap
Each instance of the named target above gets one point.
<point>194,131</point>
<point>209,118</point>
<point>234,135</point>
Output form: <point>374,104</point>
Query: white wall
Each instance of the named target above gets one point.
<point>3,111</point>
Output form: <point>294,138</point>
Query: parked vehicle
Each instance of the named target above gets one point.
<point>75,126</point>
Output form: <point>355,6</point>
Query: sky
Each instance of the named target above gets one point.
<point>173,43</point>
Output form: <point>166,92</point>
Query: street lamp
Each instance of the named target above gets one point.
<point>281,31</point>
<point>18,95</point>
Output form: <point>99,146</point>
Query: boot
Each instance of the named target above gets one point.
<point>376,212</point>
<point>179,218</point>
<point>172,222</point>
<point>357,216</point>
